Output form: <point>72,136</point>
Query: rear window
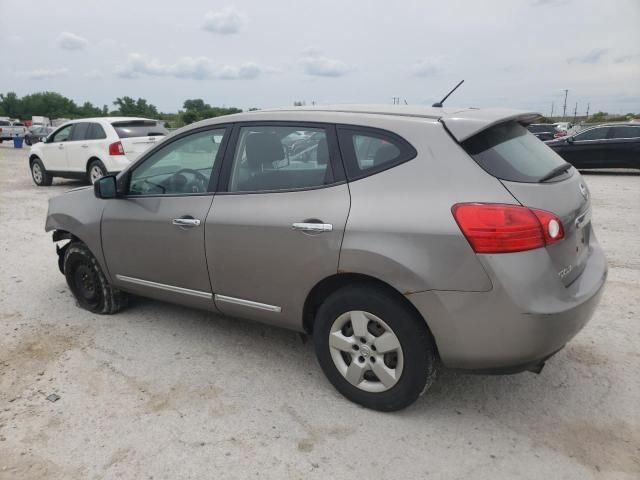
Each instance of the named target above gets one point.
<point>4,123</point>
<point>509,152</point>
<point>139,128</point>
<point>541,128</point>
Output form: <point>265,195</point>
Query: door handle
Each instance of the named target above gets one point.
<point>186,222</point>
<point>84,145</point>
<point>61,146</point>
<point>312,227</point>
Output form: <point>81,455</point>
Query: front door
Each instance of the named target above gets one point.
<point>153,239</point>
<point>55,150</point>
<point>277,229</point>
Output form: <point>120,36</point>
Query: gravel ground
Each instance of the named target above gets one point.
<point>159,391</point>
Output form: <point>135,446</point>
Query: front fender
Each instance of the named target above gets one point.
<point>78,212</point>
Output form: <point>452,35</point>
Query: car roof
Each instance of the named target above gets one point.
<point>108,119</point>
<point>462,123</point>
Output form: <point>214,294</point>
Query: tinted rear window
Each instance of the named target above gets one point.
<point>541,128</point>
<point>510,152</point>
<point>138,128</point>
<point>4,123</point>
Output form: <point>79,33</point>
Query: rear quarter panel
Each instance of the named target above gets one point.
<point>400,227</point>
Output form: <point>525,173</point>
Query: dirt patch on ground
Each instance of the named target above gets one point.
<point>611,448</point>
<point>28,359</point>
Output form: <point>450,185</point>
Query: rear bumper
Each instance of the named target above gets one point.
<point>527,316</point>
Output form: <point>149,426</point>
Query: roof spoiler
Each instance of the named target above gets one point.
<point>468,123</point>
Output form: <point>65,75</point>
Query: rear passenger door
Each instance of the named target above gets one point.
<point>624,144</point>
<point>277,221</point>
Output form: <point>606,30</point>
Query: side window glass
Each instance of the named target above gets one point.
<point>96,132</point>
<point>593,134</point>
<point>79,131</point>
<point>280,158</point>
<point>63,134</point>
<point>182,167</point>
<point>626,132</point>
<point>369,151</point>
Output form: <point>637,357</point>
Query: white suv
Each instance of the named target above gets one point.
<point>92,147</point>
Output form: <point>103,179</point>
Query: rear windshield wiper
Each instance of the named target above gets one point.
<point>555,172</point>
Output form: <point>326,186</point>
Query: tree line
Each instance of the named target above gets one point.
<point>55,105</point>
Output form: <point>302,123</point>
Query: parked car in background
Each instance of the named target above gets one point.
<point>604,146</point>
<point>543,131</point>
<point>92,147</point>
<point>562,129</point>
<point>37,134</point>
<point>389,245</point>
<point>9,130</point>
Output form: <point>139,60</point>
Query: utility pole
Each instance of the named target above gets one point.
<point>553,104</point>
<point>564,107</point>
<point>588,104</point>
<point>575,112</point>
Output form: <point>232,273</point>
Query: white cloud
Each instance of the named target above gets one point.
<point>314,63</point>
<point>225,21</point>
<point>71,41</point>
<point>43,73</point>
<point>427,67</point>
<point>197,68</point>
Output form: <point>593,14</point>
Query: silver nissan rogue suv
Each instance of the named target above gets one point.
<point>401,238</point>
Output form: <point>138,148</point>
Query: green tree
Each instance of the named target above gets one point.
<point>598,117</point>
<point>196,109</point>
<point>140,107</point>
<point>10,105</point>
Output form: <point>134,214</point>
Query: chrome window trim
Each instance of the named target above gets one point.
<point>162,286</point>
<point>247,303</point>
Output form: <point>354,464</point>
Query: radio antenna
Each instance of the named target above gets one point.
<point>439,104</point>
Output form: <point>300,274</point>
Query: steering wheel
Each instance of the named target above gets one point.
<point>198,185</point>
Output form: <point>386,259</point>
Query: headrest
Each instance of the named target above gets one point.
<point>263,149</point>
<point>384,154</point>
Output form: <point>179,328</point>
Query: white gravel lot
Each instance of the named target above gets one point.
<point>160,391</point>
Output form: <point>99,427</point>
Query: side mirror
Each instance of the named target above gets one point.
<point>106,187</point>
<point>570,139</point>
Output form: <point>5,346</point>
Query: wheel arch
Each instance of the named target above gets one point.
<point>330,284</point>
<point>92,159</point>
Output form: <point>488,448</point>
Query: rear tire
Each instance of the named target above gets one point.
<point>95,171</point>
<point>385,374</point>
<point>87,282</point>
<point>39,175</point>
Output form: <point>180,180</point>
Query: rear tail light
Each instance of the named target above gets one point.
<point>498,228</point>
<point>116,149</point>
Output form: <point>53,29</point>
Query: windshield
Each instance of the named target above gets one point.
<point>139,128</point>
<point>509,151</point>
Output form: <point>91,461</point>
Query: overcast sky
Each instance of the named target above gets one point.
<point>268,53</point>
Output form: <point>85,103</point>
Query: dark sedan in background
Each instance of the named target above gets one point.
<point>604,146</point>
<point>544,131</point>
<point>36,134</point>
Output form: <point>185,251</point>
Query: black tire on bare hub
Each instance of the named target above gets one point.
<point>88,283</point>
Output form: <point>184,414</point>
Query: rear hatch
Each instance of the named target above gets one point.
<point>537,177</point>
<point>137,136</point>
